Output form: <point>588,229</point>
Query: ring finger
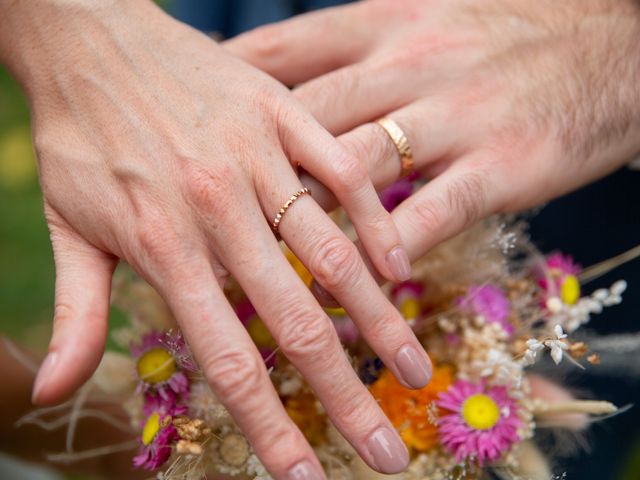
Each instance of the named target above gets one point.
<point>306,335</point>
<point>337,266</point>
<point>427,127</point>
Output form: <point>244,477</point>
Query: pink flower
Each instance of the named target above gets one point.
<point>559,278</point>
<point>162,358</point>
<point>477,422</point>
<point>490,302</point>
<point>158,436</point>
<point>563,264</point>
<point>397,192</point>
<point>406,297</point>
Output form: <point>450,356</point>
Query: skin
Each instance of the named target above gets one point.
<point>158,148</point>
<point>506,103</point>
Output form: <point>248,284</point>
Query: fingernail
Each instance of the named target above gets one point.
<point>388,452</point>
<point>324,297</point>
<point>414,367</point>
<point>305,470</point>
<point>398,263</point>
<point>45,372</point>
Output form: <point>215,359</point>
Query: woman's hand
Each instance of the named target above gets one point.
<point>506,104</point>
<point>157,147</point>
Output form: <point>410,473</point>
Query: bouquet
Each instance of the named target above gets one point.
<point>492,312</point>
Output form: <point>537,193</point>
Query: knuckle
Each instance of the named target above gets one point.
<point>210,192</point>
<point>380,223</point>
<point>308,333</point>
<point>156,239</point>
<point>354,410</point>
<point>466,196</point>
<point>350,174</point>
<point>428,216</point>
<point>336,263</point>
<point>272,437</point>
<point>63,313</point>
<point>233,374</point>
<point>269,41</point>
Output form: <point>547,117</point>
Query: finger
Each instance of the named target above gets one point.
<point>307,337</point>
<point>83,286</point>
<point>345,175</point>
<point>305,46</point>
<point>427,126</point>
<point>236,372</point>
<point>334,261</point>
<point>473,188</point>
<point>343,99</point>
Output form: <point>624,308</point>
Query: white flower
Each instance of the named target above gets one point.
<point>557,347</point>
<point>533,347</point>
<point>559,333</point>
<point>618,288</point>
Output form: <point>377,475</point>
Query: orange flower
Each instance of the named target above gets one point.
<point>408,409</point>
<point>303,410</point>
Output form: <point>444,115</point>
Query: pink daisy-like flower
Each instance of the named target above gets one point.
<point>406,297</point>
<point>158,436</point>
<point>490,302</point>
<point>559,278</point>
<point>162,359</point>
<point>169,404</point>
<point>477,423</point>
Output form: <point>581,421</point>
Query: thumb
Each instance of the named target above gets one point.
<point>83,286</point>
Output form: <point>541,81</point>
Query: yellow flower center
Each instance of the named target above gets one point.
<point>336,312</point>
<point>410,309</point>
<point>480,412</point>
<point>151,428</point>
<point>259,332</point>
<point>570,290</point>
<point>156,365</point>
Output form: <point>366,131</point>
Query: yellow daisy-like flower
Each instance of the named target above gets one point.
<point>408,409</point>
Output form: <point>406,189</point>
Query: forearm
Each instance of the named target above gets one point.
<point>39,38</point>
<point>620,103</point>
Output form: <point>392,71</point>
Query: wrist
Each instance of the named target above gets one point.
<point>41,38</point>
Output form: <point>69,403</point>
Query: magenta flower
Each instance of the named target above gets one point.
<point>559,278</point>
<point>488,301</point>
<point>397,192</point>
<point>563,264</point>
<point>477,423</point>
<point>158,436</point>
<point>162,358</point>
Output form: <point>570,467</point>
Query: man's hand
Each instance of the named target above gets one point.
<point>505,103</point>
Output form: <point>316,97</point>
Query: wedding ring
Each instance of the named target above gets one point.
<point>401,142</point>
<point>276,221</point>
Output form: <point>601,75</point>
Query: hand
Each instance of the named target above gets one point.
<point>157,147</point>
<point>506,104</point>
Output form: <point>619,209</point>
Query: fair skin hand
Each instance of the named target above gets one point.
<point>506,103</point>
<point>157,147</point>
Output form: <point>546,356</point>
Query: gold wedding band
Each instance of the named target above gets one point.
<point>401,142</point>
<point>276,221</point>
